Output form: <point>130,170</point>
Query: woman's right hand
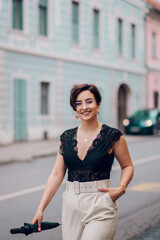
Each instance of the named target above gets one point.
<point>38,218</point>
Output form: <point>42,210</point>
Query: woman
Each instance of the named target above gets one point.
<point>89,209</point>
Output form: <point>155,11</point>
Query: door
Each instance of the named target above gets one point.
<point>123,100</point>
<point>20,110</point>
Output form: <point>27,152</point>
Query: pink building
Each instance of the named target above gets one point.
<point>153,52</point>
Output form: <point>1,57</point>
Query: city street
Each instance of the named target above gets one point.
<point>22,184</point>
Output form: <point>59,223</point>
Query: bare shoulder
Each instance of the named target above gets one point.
<point>120,144</point>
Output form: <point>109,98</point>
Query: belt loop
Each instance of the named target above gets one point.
<point>77,187</point>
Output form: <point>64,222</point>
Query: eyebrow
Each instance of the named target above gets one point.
<point>85,99</point>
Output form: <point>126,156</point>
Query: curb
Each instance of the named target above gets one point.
<point>28,159</point>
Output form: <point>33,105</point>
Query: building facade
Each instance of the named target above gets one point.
<point>48,46</point>
<point>153,52</point>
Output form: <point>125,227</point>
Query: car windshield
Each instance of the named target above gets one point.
<point>144,114</point>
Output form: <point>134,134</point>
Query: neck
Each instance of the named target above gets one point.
<point>89,126</point>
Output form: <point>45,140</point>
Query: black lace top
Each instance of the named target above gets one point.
<point>98,161</point>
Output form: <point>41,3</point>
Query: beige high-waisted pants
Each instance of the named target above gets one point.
<point>87,213</point>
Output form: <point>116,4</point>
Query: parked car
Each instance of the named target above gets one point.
<point>143,122</point>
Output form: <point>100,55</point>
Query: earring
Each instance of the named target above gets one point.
<point>76,116</point>
<point>98,111</point>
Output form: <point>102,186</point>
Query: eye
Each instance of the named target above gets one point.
<point>90,101</point>
<point>77,104</point>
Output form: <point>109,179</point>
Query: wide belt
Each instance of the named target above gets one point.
<point>86,187</point>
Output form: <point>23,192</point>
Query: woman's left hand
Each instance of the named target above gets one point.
<point>114,193</point>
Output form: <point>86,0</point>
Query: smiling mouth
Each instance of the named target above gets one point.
<point>86,113</point>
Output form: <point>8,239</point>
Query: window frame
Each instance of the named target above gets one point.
<point>48,39</point>
<point>156,99</point>
<point>153,44</point>
<point>76,47</point>
<point>122,42</point>
<point>72,39</point>
<point>47,20</point>
<point>48,99</point>
<point>25,30</point>
<point>97,5</point>
<point>93,29</point>
<point>19,15</point>
<point>135,42</point>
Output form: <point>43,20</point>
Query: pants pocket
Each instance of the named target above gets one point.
<point>107,196</point>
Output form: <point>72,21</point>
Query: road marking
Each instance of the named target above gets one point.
<point>41,187</point>
<point>23,192</point>
<point>146,187</point>
<point>140,161</point>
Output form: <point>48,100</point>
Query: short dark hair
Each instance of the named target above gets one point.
<point>75,91</point>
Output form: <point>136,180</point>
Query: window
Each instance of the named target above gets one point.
<point>96,28</point>
<point>75,22</point>
<point>45,98</point>
<point>43,15</point>
<point>120,37</point>
<point>154,45</point>
<point>17,14</point>
<point>133,40</point>
<point>156,99</point>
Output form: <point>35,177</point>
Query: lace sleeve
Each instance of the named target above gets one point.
<point>113,135</point>
<point>62,145</point>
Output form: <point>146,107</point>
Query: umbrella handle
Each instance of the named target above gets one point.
<point>17,230</point>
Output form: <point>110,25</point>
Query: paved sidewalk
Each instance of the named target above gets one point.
<point>25,151</point>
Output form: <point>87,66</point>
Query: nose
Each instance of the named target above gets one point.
<point>84,105</point>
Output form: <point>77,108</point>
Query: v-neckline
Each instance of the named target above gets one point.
<point>90,147</point>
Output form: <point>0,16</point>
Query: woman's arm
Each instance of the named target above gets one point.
<point>54,181</point>
<point>122,155</point>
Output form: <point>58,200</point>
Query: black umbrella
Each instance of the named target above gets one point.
<point>31,228</point>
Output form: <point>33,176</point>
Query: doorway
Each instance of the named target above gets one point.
<point>20,110</point>
<point>124,96</point>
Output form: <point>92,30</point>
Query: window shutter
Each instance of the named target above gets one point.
<point>43,17</point>
<point>75,22</point>
<point>14,14</point>
<point>133,32</point>
<point>156,96</point>
<point>96,28</point>
<point>120,22</point>
<point>20,14</point>
<point>17,12</point>
<point>43,3</point>
<point>44,98</point>
<point>154,45</point>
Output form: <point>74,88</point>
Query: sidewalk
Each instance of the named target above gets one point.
<point>25,151</point>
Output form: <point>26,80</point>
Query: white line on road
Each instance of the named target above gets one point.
<point>41,187</point>
<point>140,161</point>
<point>23,192</point>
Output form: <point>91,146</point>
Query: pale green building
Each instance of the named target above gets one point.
<point>48,46</point>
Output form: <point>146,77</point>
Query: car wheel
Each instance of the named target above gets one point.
<point>156,130</point>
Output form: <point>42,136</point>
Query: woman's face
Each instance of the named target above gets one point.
<point>86,105</point>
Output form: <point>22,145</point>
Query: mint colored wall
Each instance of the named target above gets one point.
<point>60,39</point>
<point>33,70</point>
<point>136,85</point>
<point>34,59</point>
<point>4,21</point>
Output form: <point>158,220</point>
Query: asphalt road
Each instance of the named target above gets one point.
<point>21,188</point>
